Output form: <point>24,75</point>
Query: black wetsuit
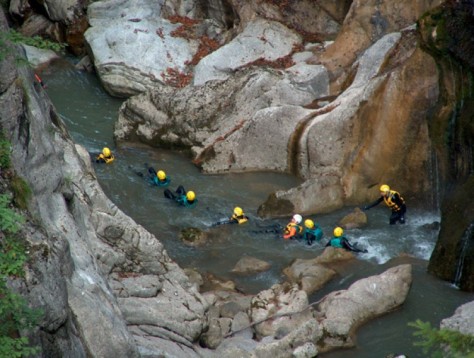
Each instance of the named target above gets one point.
<point>342,243</point>
<point>395,202</point>
<point>179,196</point>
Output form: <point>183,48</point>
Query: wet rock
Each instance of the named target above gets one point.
<point>192,236</point>
<point>356,219</point>
<point>285,301</point>
<point>248,265</point>
<point>308,274</point>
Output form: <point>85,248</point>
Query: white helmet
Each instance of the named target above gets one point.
<point>297,218</point>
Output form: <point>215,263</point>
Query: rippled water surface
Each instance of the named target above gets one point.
<point>90,113</point>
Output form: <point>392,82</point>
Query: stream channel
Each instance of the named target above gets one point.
<point>90,113</point>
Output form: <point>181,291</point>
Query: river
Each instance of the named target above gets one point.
<point>89,114</point>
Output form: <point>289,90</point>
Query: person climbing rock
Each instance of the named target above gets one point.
<point>394,201</point>
<point>293,229</point>
<point>341,242</point>
<point>105,157</point>
<point>158,178</point>
<point>311,232</point>
<point>183,198</point>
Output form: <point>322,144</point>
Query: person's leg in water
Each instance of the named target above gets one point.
<point>394,218</point>
<point>350,247</point>
<point>397,216</point>
<point>169,194</point>
<point>180,190</point>
<point>402,214</point>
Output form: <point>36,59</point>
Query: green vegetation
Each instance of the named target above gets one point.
<point>15,37</point>
<point>15,314</point>
<point>442,343</point>
<point>4,153</point>
<point>21,192</point>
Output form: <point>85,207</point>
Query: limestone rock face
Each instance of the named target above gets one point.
<point>88,240</point>
<point>261,40</point>
<point>343,311</point>
<point>365,23</point>
<point>119,31</point>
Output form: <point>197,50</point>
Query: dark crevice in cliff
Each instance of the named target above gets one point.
<point>447,34</point>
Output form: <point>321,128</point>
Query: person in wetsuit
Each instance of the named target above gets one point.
<point>293,229</point>
<point>183,198</point>
<point>238,216</point>
<point>311,232</point>
<point>158,178</point>
<point>105,157</point>
<point>341,242</point>
<point>394,201</point>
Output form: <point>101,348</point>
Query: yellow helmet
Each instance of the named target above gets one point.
<point>338,231</point>
<point>190,195</point>
<point>238,211</point>
<point>309,223</point>
<point>106,152</point>
<point>161,175</point>
<point>384,188</point>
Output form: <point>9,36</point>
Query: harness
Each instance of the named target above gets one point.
<point>240,219</point>
<point>107,160</point>
<point>390,200</point>
<point>288,227</point>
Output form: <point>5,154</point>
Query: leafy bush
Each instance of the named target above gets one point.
<point>10,221</point>
<point>442,343</point>
<point>4,153</point>
<point>15,315</point>
<point>15,37</point>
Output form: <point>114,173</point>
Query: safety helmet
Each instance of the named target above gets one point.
<point>297,218</point>
<point>190,195</point>
<point>309,223</point>
<point>338,231</point>
<point>238,211</point>
<point>106,152</point>
<point>161,175</point>
<point>384,188</point>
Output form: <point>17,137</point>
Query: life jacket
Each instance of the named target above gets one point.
<point>337,242</point>
<point>316,232</point>
<point>107,160</point>
<point>182,200</point>
<point>288,227</point>
<point>390,200</point>
<point>240,219</point>
<point>159,182</point>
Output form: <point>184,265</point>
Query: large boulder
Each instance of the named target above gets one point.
<point>341,312</point>
<point>133,47</point>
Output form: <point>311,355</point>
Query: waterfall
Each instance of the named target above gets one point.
<point>468,234</point>
<point>435,182</point>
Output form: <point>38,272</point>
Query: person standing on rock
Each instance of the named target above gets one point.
<point>293,229</point>
<point>340,241</point>
<point>394,201</point>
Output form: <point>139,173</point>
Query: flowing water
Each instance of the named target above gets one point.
<point>90,113</point>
